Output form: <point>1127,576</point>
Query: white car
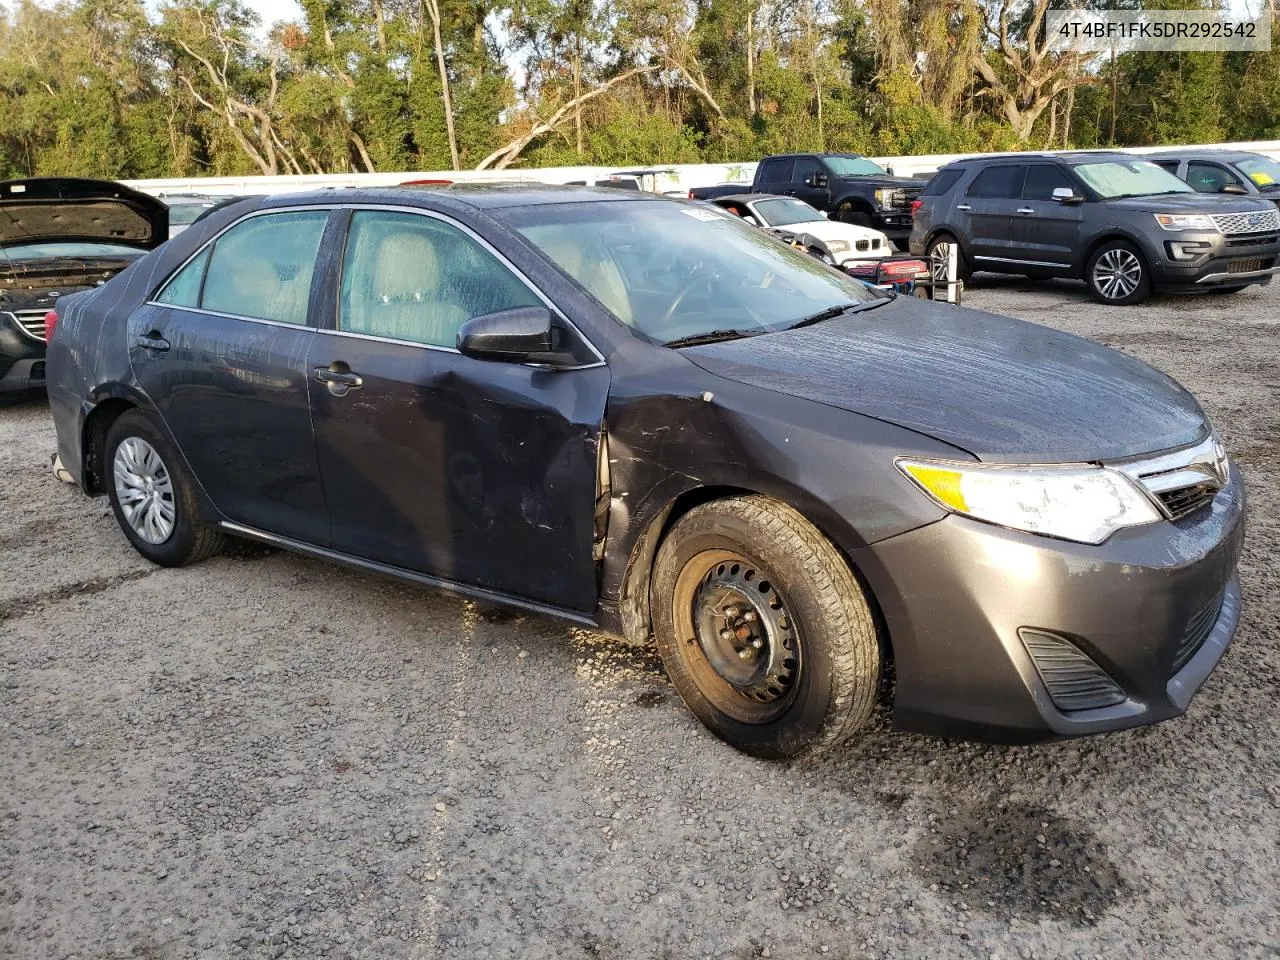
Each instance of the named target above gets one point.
<point>844,242</point>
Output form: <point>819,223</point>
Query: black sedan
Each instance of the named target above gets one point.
<point>644,416</point>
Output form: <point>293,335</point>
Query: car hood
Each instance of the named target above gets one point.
<point>43,209</point>
<point>826,230</point>
<point>1004,390</point>
<point>1191,203</point>
<point>887,181</point>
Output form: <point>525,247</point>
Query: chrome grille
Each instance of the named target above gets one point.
<point>1073,680</point>
<point>31,322</point>
<point>1184,481</point>
<point>1252,221</point>
<point>1197,630</point>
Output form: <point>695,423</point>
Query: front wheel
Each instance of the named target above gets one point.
<point>763,629</point>
<point>848,213</point>
<point>1117,274</point>
<point>153,496</point>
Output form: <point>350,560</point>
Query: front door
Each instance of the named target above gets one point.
<point>477,472</point>
<point>991,203</point>
<point>805,183</point>
<point>222,351</point>
<point>1045,230</point>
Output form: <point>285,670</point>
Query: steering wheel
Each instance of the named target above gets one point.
<point>699,275</point>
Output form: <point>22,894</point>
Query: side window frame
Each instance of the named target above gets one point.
<point>1229,174</point>
<point>335,264</point>
<point>208,247</point>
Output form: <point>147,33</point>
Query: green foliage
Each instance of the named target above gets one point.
<point>104,88</point>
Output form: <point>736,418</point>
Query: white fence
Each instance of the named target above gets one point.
<point>667,178</point>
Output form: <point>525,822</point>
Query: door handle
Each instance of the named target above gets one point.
<point>962,206</point>
<point>339,378</point>
<point>1025,210</point>
<point>153,341</point>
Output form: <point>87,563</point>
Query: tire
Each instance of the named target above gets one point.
<point>935,251</point>
<point>813,677</point>
<point>1117,274</point>
<point>141,462</point>
<point>846,213</point>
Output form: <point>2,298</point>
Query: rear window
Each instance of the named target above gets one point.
<point>1003,181</point>
<point>942,181</point>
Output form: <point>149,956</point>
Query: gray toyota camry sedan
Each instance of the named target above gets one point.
<point>641,415</point>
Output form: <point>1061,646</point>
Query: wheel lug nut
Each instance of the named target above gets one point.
<point>726,634</point>
<point>757,643</point>
<point>746,653</point>
<point>730,612</point>
<point>750,616</point>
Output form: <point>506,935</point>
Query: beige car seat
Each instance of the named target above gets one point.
<point>594,269</point>
<point>403,295</point>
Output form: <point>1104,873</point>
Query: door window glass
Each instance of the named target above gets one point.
<point>1043,179</point>
<point>776,171</point>
<point>184,289</point>
<point>805,168</point>
<point>1208,177</point>
<point>415,278</point>
<point>999,182</point>
<point>262,267</point>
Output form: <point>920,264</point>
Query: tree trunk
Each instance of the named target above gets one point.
<point>751,65</point>
<point>577,92</point>
<point>433,8</point>
<point>1115,92</point>
<point>1066,120</point>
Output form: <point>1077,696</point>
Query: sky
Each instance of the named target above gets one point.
<point>273,10</point>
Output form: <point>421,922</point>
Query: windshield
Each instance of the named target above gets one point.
<point>185,213</point>
<point>1263,171</point>
<point>670,270</point>
<point>855,167</point>
<point>1127,177</point>
<point>780,213</point>
<point>68,249</point>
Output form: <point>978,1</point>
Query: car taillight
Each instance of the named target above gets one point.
<point>915,205</point>
<point>50,321</point>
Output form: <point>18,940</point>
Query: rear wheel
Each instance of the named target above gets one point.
<point>1117,274</point>
<point>939,250</point>
<point>153,496</point>
<point>763,628</point>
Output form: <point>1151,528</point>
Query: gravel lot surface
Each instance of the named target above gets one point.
<point>265,756</point>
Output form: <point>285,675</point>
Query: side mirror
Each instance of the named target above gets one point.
<point>1234,188</point>
<point>521,335</point>
<point>816,180</point>
<point>1066,195</point>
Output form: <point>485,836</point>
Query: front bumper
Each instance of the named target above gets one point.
<point>954,595</point>
<point>1218,261</point>
<point>21,357</point>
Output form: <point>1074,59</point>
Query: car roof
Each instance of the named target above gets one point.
<point>750,197</point>
<point>480,196</point>
<point>1071,157</point>
<point>1204,154</point>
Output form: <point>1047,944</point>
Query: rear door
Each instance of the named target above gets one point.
<point>1046,232</point>
<point>774,175</point>
<point>991,203</point>
<point>476,472</point>
<point>222,351</point>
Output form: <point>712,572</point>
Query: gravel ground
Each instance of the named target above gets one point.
<point>265,756</point>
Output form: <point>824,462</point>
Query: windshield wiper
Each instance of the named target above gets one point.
<point>838,311</point>
<point>712,336</point>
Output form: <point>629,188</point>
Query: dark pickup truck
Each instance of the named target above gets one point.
<point>847,186</point>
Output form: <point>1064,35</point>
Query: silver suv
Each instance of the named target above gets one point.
<point>1114,220</point>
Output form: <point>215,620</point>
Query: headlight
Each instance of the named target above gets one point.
<point>837,246</point>
<point>886,198</point>
<point>1081,503</point>
<point>1186,221</point>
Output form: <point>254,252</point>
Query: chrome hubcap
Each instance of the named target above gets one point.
<point>745,632</point>
<point>144,490</point>
<point>1117,274</point>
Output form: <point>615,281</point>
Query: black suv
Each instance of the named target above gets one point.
<point>1114,220</point>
